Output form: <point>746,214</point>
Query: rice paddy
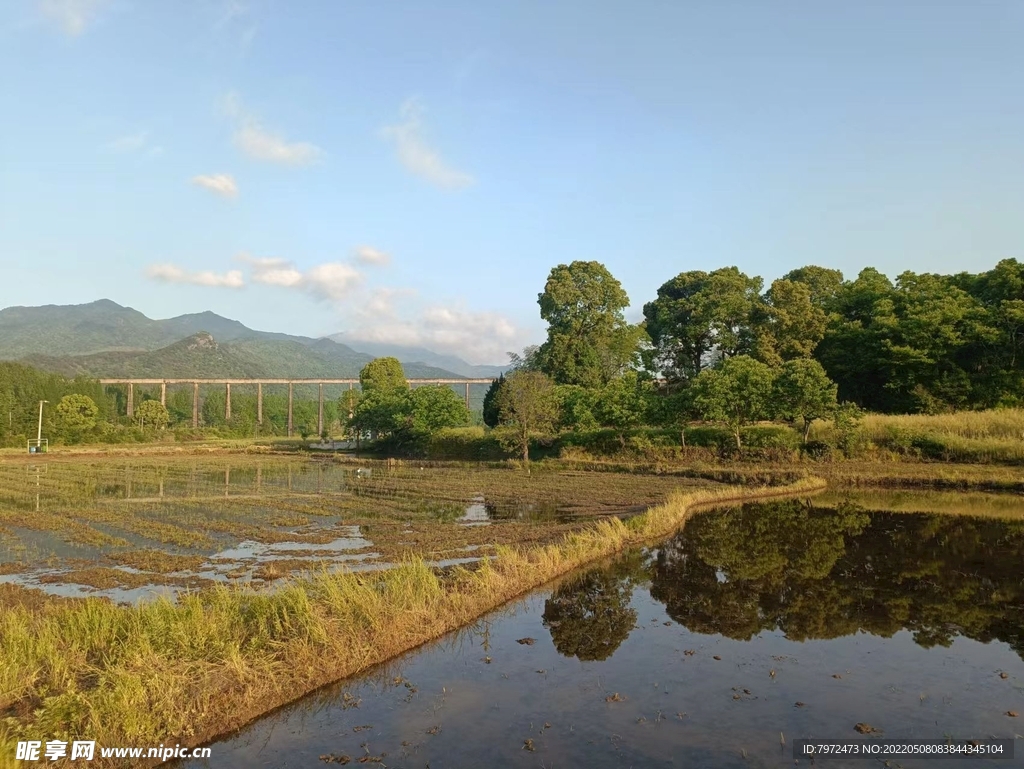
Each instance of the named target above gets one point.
<point>213,657</point>
<point>132,529</point>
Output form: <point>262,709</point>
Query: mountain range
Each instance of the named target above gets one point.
<point>105,339</point>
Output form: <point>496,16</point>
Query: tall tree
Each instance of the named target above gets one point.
<point>787,324</point>
<point>699,317</point>
<point>490,407</point>
<point>527,405</point>
<point>384,374</point>
<point>823,283</point>
<point>589,342</point>
<point>853,349</point>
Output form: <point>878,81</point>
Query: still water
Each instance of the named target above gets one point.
<point>748,629</point>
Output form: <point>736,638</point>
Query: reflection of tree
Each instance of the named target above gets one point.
<point>589,616</point>
<point>824,573</point>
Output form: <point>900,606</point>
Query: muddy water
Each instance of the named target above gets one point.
<point>750,628</point>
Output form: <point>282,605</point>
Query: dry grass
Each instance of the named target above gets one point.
<point>972,425</point>
<point>1008,507</point>
<point>995,436</point>
<point>184,672</point>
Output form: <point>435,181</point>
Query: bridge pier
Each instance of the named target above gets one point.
<point>131,400</point>
<point>290,396</point>
<point>467,396</point>
<point>163,394</point>
<point>259,403</point>
<point>195,405</point>
<point>320,413</point>
<point>227,401</point>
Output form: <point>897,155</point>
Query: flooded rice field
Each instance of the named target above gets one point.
<point>129,530</point>
<point>752,627</point>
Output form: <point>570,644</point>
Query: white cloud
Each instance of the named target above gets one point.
<point>72,16</point>
<point>222,184</point>
<point>478,337</point>
<point>271,271</point>
<point>331,281</point>
<point>371,255</point>
<point>171,273</point>
<point>258,142</point>
<point>417,155</point>
<point>129,142</point>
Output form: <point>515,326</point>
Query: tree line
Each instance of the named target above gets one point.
<point>718,346</point>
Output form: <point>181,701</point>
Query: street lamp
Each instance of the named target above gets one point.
<point>39,434</point>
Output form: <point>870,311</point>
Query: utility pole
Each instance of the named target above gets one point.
<point>39,433</point>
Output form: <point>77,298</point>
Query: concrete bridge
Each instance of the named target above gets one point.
<point>258,383</point>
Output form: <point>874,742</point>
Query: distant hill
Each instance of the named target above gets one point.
<point>105,326</point>
<point>104,339</point>
<point>203,357</point>
<point>421,355</point>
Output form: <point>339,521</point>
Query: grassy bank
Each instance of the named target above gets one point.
<point>184,672</point>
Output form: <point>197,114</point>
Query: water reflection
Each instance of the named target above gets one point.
<point>812,573</point>
<point>589,616</point>
<point>787,618</point>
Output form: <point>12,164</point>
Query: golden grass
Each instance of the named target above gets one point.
<point>973,425</point>
<point>995,436</point>
<point>1006,507</point>
<point>187,671</point>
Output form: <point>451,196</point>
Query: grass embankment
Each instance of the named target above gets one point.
<point>184,672</point>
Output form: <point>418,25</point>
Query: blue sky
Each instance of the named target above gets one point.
<point>411,171</point>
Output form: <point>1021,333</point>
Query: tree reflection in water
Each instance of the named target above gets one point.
<point>589,616</point>
<point>813,573</point>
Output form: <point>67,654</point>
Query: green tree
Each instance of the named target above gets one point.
<point>823,283</point>
<point>589,342</point>
<point>853,350</point>
<point>434,407</point>
<point>75,415</point>
<point>383,412</point>
<point>623,403</point>
<point>787,323</point>
<point>384,374</point>
<point>490,407</point>
<point>347,404</point>
<point>152,414</point>
<point>698,317</point>
<point>803,391</point>
<point>527,404</point>
<point>736,393</point>
<point>575,407</point>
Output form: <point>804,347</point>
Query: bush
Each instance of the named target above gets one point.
<point>464,443</point>
<point>821,451</point>
<point>770,437</point>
